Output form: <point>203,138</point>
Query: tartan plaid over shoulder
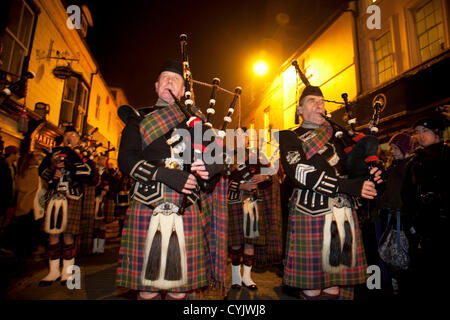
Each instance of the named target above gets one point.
<point>159,122</point>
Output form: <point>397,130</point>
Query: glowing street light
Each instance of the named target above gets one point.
<point>260,68</point>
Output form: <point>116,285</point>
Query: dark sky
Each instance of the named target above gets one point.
<point>131,39</point>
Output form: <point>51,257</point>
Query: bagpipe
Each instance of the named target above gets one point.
<point>195,118</point>
<point>361,147</point>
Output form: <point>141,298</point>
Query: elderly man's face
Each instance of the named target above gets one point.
<point>169,80</point>
<point>71,138</point>
<point>312,108</point>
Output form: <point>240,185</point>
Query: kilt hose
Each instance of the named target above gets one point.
<point>303,267</point>
<point>85,241</point>
<point>271,253</point>
<point>132,247</point>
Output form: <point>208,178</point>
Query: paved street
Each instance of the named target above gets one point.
<point>98,276</point>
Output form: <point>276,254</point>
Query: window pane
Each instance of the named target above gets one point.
<point>378,54</point>
<point>25,28</point>
<point>423,40</point>
<point>385,51</point>
<point>433,35</point>
<point>14,16</point>
<point>421,27</point>
<point>428,8</point>
<point>435,48</point>
<point>430,21</point>
<point>7,52</point>
<point>420,15</point>
<point>66,112</point>
<point>381,66</point>
<point>425,53</point>
<point>70,89</point>
<point>389,61</point>
<point>17,59</point>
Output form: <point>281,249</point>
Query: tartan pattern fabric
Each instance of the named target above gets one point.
<point>303,267</point>
<point>159,123</point>
<point>236,225</point>
<point>131,253</point>
<point>87,220</point>
<point>214,207</point>
<point>74,213</point>
<point>316,139</point>
<point>108,209</point>
<point>272,252</point>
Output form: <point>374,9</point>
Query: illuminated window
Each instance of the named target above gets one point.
<point>74,102</point>
<point>17,37</point>
<point>430,29</point>
<point>384,58</point>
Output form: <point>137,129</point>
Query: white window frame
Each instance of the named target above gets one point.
<point>25,46</point>
<point>391,53</point>
<point>413,40</point>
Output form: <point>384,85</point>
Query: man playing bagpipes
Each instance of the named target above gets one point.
<point>65,172</point>
<point>254,215</point>
<point>325,256</point>
<point>164,250</point>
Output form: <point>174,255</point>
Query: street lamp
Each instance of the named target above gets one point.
<point>260,68</point>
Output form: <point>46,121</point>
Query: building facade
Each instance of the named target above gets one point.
<point>48,39</point>
<point>397,48</point>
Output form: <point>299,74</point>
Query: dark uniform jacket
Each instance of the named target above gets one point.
<point>319,178</point>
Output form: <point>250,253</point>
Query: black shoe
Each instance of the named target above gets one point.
<point>236,286</point>
<point>46,283</point>
<point>250,287</point>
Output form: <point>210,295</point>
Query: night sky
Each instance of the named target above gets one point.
<point>131,39</point>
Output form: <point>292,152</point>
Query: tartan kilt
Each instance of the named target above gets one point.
<point>74,212</point>
<point>303,267</point>
<point>87,220</point>
<point>108,208</point>
<point>132,249</point>
<point>271,253</point>
<point>236,225</point>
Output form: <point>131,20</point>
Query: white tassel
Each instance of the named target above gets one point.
<point>167,223</point>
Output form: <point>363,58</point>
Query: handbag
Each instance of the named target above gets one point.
<point>393,247</point>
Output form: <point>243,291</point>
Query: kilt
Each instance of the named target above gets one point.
<point>236,225</point>
<point>303,267</point>
<point>214,208</point>
<point>87,220</point>
<point>74,212</point>
<point>108,208</point>
<point>271,253</point>
<point>131,253</point>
